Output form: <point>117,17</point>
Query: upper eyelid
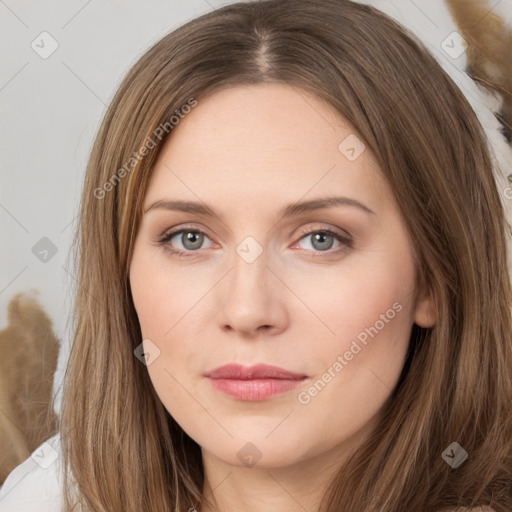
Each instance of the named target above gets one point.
<point>179,229</point>
<point>337,231</point>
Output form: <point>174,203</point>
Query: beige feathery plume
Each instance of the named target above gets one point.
<point>489,47</point>
<point>29,351</point>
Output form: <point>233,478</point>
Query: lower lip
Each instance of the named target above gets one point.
<point>256,389</point>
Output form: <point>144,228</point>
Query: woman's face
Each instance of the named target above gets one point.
<point>267,273</point>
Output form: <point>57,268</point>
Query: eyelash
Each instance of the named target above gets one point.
<point>346,242</point>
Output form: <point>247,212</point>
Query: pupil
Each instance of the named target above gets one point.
<point>193,240</point>
<point>321,238</point>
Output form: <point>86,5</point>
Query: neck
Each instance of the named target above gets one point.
<point>296,487</point>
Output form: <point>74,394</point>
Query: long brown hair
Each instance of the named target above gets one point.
<point>124,450</point>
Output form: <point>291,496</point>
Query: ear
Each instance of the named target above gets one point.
<point>425,314</point>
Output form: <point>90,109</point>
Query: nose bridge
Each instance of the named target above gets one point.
<point>250,273</point>
<point>249,297</point>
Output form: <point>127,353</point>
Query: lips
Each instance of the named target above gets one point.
<point>253,383</point>
<point>260,371</point>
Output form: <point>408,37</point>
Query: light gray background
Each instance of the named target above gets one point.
<point>51,109</point>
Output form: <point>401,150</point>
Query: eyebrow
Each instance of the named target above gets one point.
<point>290,210</point>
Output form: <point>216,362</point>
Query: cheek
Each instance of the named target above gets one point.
<point>162,295</point>
<point>162,301</point>
<point>370,310</point>
<point>364,297</point>
<point>167,301</point>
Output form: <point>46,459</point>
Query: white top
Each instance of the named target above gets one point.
<point>36,484</point>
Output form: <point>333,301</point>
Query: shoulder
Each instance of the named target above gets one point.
<point>35,485</point>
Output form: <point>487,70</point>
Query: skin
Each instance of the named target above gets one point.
<point>248,151</point>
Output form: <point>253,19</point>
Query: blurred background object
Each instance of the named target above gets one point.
<point>29,351</point>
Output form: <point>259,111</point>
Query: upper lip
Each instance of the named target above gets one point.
<point>259,371</point>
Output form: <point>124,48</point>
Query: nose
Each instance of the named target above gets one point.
<point>252,299</point>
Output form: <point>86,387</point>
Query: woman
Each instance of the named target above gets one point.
<point>293,292</point>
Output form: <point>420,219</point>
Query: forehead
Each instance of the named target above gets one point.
<point>267,140</point>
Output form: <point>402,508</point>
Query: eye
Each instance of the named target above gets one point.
<point>191,240</point>
<point>322,240</point>
<point>185,242</point>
